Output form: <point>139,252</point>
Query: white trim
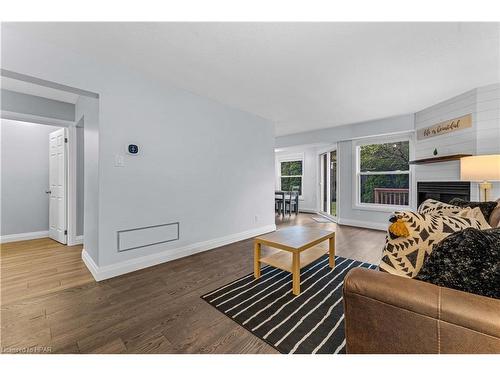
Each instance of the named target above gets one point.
<point>356,149</point>
<point>24,117</point>
<point>383,138</point>
<point>77,241</point>
<point>319,179</point>
<point>71,187</point>
<point>308,210</point>
<point>380,207</point>
<point>23,236</point>
<point>112,270</point>
<point>90,264</point>
<point>333,219</point>
<point>363,224</point>
<point>298,156</point>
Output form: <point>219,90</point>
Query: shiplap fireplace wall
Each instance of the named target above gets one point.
<point>482,138</point>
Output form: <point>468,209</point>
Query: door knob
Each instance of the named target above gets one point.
<point>48,191</point>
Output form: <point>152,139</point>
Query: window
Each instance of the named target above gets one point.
<point>383,173</point>
<point>291,172</point>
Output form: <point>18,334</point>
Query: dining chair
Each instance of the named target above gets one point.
<point>279,202</point>
<point>292,202</point>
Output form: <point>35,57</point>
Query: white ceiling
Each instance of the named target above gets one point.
<point>29,88</point>
<point>303,76</point>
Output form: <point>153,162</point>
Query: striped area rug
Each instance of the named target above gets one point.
<point>312,322</point>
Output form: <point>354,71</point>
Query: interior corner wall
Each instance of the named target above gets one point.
<point>308,202</point>
<point>80,177</point>
<point>201,163</point>
<point>483,137</point>
<point>87,118</point>
<point>17,102</point>
<point>488,128</point>
<point>24,177</point>
<point>348,214</point>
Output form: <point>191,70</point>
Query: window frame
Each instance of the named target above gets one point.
<point>289,158</point>
<point>357,144</point>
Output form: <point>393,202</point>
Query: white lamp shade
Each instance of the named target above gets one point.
<point>480,168</point>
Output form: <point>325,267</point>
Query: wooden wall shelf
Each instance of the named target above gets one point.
<point>439,159</point>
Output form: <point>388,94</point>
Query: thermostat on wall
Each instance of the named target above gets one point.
<point>133,149</point>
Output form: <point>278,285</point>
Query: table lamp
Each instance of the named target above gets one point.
<point>483,169</point>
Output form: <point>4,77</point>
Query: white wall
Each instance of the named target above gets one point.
<point>482,138</point>
<point>347,212</point>
<point>388,125</point>
<point>17,102</point>
<point>25,177</point>
<point>206,165</point>
<point>87,116</point>
<point>308,200</point>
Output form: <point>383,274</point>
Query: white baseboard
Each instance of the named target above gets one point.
<point>92,267</point>
<point>23,236</point>
<point>130,265</point>
<point>308,210</point>
<point>363,224</point>
<point>78,241</point>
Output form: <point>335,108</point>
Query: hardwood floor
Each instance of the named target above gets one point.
<point>50,303</point>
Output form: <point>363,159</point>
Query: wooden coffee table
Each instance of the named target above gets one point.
<point>301,242</point>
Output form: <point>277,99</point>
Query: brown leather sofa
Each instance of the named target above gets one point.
<point>385,313</point>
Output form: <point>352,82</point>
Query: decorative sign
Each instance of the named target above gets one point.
<point>449,126</point>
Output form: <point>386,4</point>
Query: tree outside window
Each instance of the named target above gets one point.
<point>291,176</point>
<point>384,173</point>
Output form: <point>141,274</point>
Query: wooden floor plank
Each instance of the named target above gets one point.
<point>49,299</point>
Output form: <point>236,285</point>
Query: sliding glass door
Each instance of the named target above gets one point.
<point>328,182</point>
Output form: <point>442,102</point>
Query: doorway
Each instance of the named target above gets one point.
<point>328,183</point>
<point>58,185</point>
<point>34,181</point>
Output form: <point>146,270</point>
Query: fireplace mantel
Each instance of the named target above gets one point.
<point>439,159</point>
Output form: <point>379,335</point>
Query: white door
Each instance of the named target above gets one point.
<point>328,183</point>
<point>57,185</point>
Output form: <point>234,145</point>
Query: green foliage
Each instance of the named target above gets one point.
<point>291,168</point>
<point>288,184</point>
<point>385,157</point>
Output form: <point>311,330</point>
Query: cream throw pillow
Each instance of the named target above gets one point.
<point>404,254</point>
<point>475,213</point>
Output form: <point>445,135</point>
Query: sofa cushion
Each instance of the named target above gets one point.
<point>405,251</point>
<point>495,216</point>
<point>474,213</point>
<point>485,207</point>
<point>434,207</point>
<point>468,260</point>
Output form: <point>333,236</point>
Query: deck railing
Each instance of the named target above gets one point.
<point>397,197</point>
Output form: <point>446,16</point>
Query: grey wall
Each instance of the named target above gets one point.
<point>206,165</point>
<point>80,173</point>
<point>481,139</point>
<point>347,213</point>
<point>348,132</point>
<point>87,115</point>
<point>38,106</point>
<point>308,202</point>
<point>25,177</point>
